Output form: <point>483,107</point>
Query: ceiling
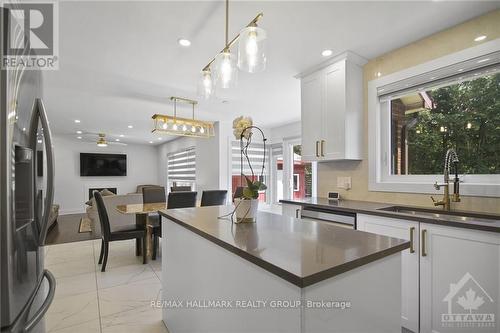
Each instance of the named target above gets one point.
<point>120,61</point>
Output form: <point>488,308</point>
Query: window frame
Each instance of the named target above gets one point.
<point>379,135</point>
<point>288,190</point>
<point>190,149</point>
<point>296,181</point>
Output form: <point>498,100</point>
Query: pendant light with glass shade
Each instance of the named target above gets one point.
<point>222,71</point>
<point>226,70</point>
<point>205,84</point>
<point>251,49</point>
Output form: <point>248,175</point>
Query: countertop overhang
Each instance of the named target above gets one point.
<point>374,208</point>
<point>301,252</point>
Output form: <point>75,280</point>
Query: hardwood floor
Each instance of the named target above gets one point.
<point>66,230</point>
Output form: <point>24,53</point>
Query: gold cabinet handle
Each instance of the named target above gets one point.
<point>322,148</point>
<point>412,234</point>
<point>424,243</point>
<point>317,148</point>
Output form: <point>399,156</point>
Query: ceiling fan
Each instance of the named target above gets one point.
<point>100,140</point>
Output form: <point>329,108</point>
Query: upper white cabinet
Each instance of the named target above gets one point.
<point>332,110</point>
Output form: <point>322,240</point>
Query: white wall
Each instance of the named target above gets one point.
<point>71,190</point>
<point>211,158</point>
<point>280,133</point>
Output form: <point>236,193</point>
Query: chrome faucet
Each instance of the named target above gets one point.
<point>450,158</point>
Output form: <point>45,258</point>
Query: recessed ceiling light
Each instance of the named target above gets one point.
<point>79,137</point>
<point>327,53</point>
<point>77,121</point>
<point>150,141</point>
<point>184,42</point>
<point>117,140</point>
<point>78,132</point>
<point>160,138</point>
<point>480,38</point>
<point>121,135</point>
<point>130,126</point>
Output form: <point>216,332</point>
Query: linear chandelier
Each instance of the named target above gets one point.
<point>222,70</point>
<point>174,125</point>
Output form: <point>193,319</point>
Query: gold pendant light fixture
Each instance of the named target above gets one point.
<point>101,140</point>
<point>222,71</point>
<point>174,125</point>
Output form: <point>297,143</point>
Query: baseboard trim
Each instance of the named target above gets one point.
<point>71,211</point>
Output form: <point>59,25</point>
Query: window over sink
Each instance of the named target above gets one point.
<point>464,115</point>
<point>416,115</point>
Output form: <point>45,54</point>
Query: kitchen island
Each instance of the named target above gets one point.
<point>279,274</point>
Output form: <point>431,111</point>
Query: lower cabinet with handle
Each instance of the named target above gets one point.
<point>291,210</point>
<point>450,276</point>
<point>409,261</point>
<point>459,280</point>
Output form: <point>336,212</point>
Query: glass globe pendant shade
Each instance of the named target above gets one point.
<point>206,84</point>
<point>252,49</point>
<point>226,70</point>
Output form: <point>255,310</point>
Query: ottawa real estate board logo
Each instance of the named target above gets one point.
<point>469,305</point>
<point>30,35</point>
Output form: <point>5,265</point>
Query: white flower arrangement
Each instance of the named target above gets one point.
<point>239,125</point>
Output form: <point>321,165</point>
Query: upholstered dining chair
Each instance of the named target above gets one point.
<point>213,198</point>
<point>118,234</point>
<point>180,188</point>
<point>154,195</point>
<point>181,200</point>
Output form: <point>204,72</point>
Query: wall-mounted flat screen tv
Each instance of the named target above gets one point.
<point>94,164</point>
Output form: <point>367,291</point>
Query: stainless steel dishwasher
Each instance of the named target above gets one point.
<point>341,219</point>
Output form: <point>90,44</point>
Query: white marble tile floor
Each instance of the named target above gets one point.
<point>88,300</point>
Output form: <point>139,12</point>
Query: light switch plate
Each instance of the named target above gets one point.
<point>344,183</point>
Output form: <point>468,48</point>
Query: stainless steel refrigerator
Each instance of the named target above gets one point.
<point>26,196</point>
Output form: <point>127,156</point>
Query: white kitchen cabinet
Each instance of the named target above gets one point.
<point>449,266</point>
<point>408,230</point>
<point>459,274</point>
<point>332,110</point>
<point>311,96</point>
<point>291,210</point>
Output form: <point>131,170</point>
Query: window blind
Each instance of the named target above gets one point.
<point>459,72</point>
<point>255,154</point>
<point>181,166</point>
<point>276,149</point>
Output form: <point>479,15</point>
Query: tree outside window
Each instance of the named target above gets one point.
<point>464,116</point>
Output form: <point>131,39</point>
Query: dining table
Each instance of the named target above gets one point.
<point>141,212</point>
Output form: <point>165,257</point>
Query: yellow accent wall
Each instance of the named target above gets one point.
<point>438,45</point>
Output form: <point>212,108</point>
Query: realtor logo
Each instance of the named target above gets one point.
<point>30,35</point>
<point>467,301</point>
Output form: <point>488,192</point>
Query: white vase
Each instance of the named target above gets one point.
<point>246,210</point>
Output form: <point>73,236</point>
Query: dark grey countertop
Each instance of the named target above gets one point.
<point>301,252</point>
<point>373,208</point>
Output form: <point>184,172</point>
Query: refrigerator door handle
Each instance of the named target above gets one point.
<point>40,114</point>
<point>31,323</point>
<point>49,199</point>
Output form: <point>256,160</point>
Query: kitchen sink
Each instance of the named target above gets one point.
<point>443,215</point>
